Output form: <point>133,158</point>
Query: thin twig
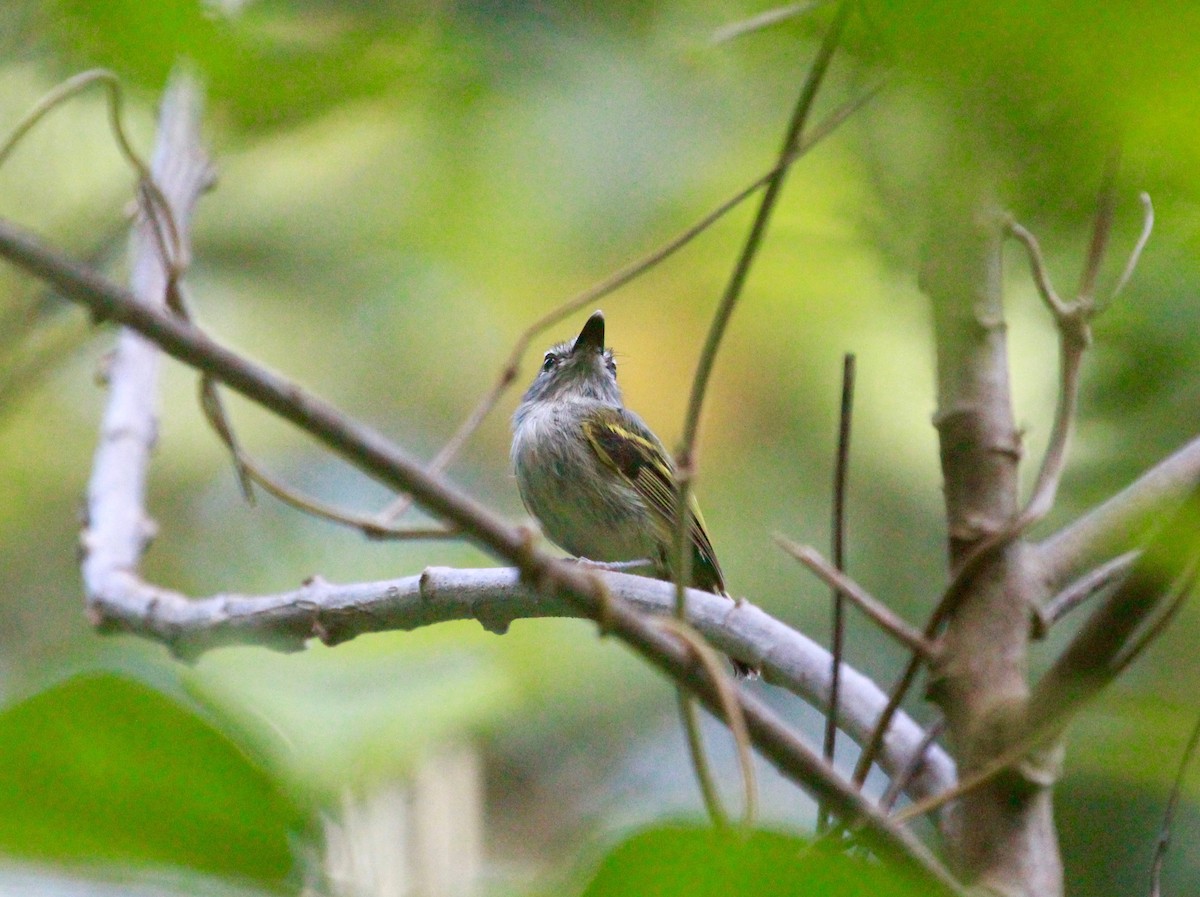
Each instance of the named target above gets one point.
<point>1014,753</point>
<point>1164,833</point>
<point>1101,232</point>
<point>1091,583</point>
<point>838,539</point>
<point>1037,264</point>
<point>763,20</point>
<point>698,756</point>
<point>900,781</point>
<point>249,470</point>
<point>895,698</point>
<point>878,612</point>
<point>1136,254</point>
<point>1072,320</point>
<point>150,195</point>
<point>734,718</point>
<point>758,228</point>
<point>684,461</point>
<point>1118,523</point>
<point>64,91</point>
<point>612,283</point>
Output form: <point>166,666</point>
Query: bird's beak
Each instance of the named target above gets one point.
<point>592,334</point>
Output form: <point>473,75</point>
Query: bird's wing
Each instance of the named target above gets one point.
<point>626,446</point>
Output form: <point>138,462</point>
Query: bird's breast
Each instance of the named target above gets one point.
<point>581,504</point>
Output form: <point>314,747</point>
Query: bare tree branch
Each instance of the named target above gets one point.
<point>1120,627</point>
<point>495,598</point>
<point>837,623</point>
<point>1119,523</point>
<point>1129,621</point>
<point>1091,583</point>
<point>379,458</point>
<point>118,527</point>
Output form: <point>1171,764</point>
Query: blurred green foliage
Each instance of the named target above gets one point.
<point>404,187</point>
<point>104,770</point>
<point>703,862</point>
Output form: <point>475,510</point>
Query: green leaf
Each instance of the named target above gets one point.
<point>270,66</point>
<point>104,769</point>
<point>704,862</point>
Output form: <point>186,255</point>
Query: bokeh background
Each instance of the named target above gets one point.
<point>405,187</point>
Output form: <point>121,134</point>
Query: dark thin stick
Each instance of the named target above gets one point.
<point>838,526</point>
<point>895,698</point>
<point>1164,833</point>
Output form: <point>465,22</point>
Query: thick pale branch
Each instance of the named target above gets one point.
<point>118,527</point>
<point>495,598</point>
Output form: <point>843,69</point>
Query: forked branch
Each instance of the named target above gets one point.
<point>379,458</point>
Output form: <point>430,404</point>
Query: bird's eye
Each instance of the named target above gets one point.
<point>550,362</point>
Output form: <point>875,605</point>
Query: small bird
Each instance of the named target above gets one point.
<point>597,479</point>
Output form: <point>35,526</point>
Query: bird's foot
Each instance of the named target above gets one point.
<point>617,566</point>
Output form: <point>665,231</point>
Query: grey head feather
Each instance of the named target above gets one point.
<point>576,370</point>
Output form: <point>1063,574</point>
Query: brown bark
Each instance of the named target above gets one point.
<point>1007,841</point>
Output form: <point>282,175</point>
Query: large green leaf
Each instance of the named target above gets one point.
<point>102,769</point>
<point>703,862</point>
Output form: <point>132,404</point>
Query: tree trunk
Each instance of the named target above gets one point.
<point>1007,840</point>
